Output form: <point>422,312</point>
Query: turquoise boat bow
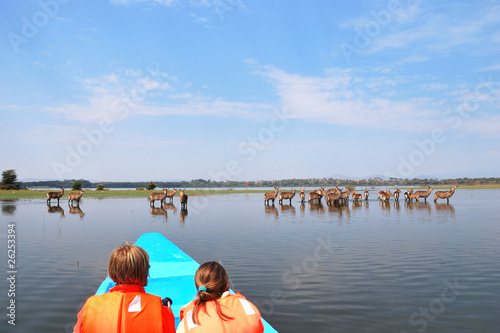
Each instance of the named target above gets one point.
<point>171,274</point>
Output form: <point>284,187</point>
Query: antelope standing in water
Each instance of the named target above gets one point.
<point>170,195</point>
<point>424,194</point>
<point>320,191</point>
<point>385,195</point>
<point>75,197</point>
<point>184,200</point>
<point>157,196</point>
<point>414,195</point>
<point>271,196</point>
<point>55,195</point>
<point>286,196</point>
<point>302,195</point>
<point>396,194</point>
<point>333,198</point>
<point>356,196</point>
<point>444,194</point>
<point>316,195</point>
<point>344,196</point>
<point>366,193</point>
<point>408,194</point>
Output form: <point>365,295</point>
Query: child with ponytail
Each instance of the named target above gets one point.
<point>215,309</point>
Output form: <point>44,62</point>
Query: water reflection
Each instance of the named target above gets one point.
<point>388,206</point>
<point>423,206</point>
<point>76,210</point>
<point>184,214</point>
<point>385,205</point>
<point>8,208</point>
<point>271,211</point>
<point>163,211</point>
<point>170,206</point>
<point>288,209</point>
<point>55,209</point>
<point>356,204</point>
<point>379,273</point>
<point>340,209</point>
<point>444,207</point>
<point>158,211</point>
<point>317,207</point>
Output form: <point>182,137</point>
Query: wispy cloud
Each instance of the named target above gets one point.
<point>350,97</point>
<point>365,99</point>
<point>431,28</point>
<point>141,94</point>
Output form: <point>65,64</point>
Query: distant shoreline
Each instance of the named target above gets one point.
<point>89,193</point>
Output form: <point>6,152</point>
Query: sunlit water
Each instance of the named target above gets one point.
<point>310,268</point>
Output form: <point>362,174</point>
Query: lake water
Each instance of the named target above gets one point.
<point>371,267</point>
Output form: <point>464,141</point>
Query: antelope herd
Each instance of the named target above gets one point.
<point>333,197</point>
<point>155,196</point>
<point>336,196</point>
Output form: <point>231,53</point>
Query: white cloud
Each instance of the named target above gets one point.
<point>116,96</point>
<point>486,125</point>
<point>350,98</point>
<point>492,154</point>
<point>431,29</point>
<point>495,67</point>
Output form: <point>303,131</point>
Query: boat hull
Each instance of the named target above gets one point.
<point>171,274</point>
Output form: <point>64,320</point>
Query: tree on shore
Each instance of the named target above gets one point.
<point>77,185</point>
<point>9,179</point>
<point>151,186</point>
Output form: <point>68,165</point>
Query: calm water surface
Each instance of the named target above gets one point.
<point>310,268</point>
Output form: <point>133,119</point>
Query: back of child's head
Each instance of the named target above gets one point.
<point>212,276</point>
<point>129,264</point>
<point>211,281</point>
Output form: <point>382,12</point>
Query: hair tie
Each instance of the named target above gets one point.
<point>202,288</point>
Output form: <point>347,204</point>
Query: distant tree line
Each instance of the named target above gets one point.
<point>310,182</point>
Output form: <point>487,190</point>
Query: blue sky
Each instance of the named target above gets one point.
<point>135,90</point>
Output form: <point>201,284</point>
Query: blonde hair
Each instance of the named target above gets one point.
<point>129,264</point>
<point>211,281</point>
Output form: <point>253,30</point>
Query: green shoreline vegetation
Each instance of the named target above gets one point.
<point>10,188</point>
<point>89,193</point>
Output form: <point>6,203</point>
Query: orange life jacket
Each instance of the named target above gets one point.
<point>246,316</point>
<point>122,312</point>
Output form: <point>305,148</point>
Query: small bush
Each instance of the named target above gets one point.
<point>77,185</point>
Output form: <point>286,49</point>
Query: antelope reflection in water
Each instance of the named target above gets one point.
<point>418,206</point>
<point>339,209</point>
<point>55,209</point>
<point>357,204</point>
<point>170,206</point>
<point>445,207</point>
<point>386,205</point>
<point>184,214</point>
<point>397,206</point>
<point>158,211</point>
<point>76,210</point>
<point>287,209</point>
<point>317,207</point>
<point>271,211</point>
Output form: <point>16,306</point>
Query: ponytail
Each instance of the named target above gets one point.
<point>212,281</point>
